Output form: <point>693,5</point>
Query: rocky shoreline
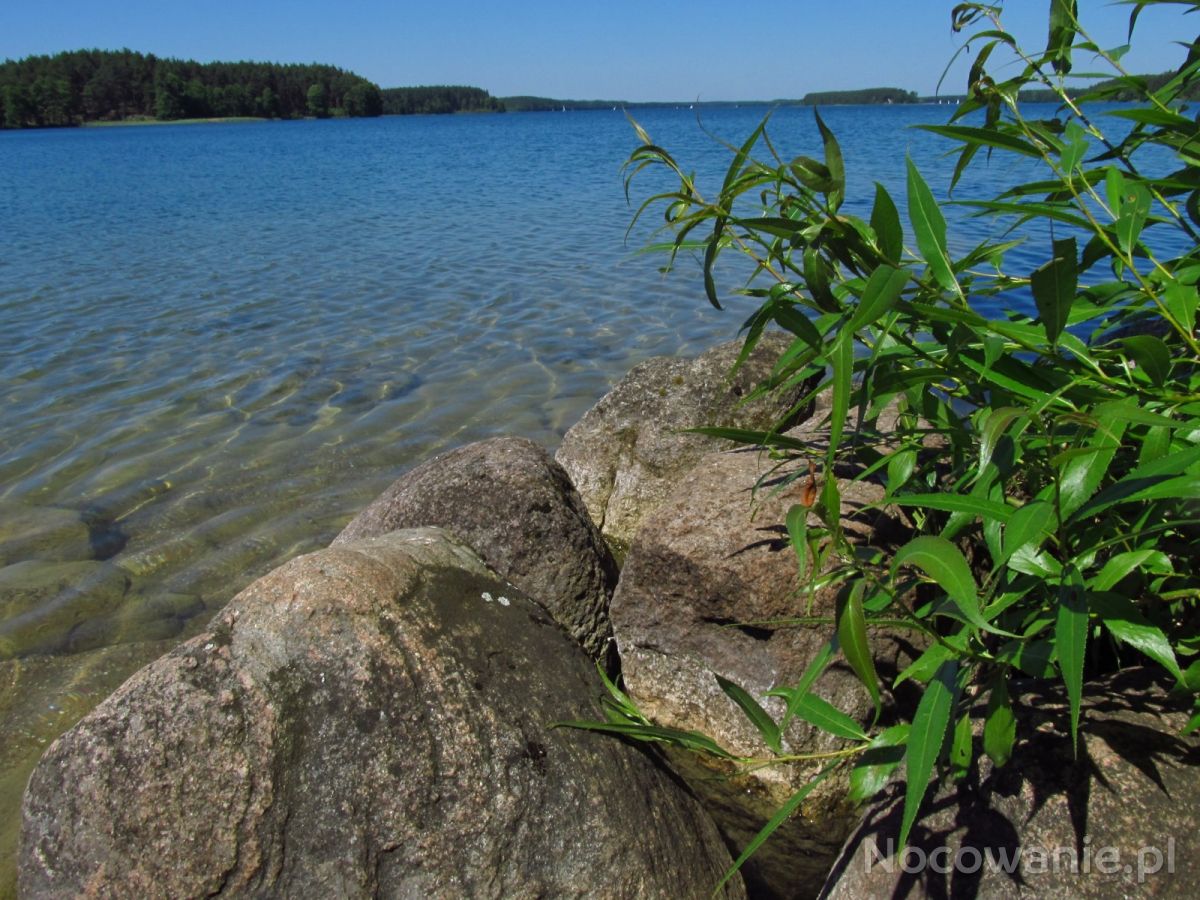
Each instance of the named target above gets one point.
<point>373,719</point>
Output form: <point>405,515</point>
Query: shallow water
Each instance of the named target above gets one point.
<point>221,341</point>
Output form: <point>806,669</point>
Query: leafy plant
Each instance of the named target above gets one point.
<point>1049,457</point>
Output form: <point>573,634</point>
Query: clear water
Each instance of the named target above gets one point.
<point>221,341</point>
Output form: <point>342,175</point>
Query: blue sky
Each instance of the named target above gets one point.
<point>602,49</point>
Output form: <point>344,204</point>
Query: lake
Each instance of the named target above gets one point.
<point>222,341</point>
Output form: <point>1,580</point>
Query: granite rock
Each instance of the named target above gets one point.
<point>510,502</point>
<point>367,720</point>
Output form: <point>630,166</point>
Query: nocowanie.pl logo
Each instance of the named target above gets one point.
<point>1031,860</point>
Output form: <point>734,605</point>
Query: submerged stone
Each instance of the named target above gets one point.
<point>49,533</point>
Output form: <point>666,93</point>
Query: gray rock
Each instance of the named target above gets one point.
<point>46,607</point>
<point>40,697</point>
<point>1121,820</point>
<point>628,450</point>
<point>510,502</point>
<point>363,721</point>
<point>707,577</point>
<point>30,532</point>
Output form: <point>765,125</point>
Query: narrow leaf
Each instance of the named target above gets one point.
<point>960,503</point>
<point>852,637</point>
<point>925,741</point>
<point>758,716</point>
<point>842,361</point>
<point>985,137</point>
<point>1127,624</point>
<point>944,563</point>
<point>781,816</point>
<point>818,711</point>
<point>1070,641</point>
<point>1028,526</point>
<point>797,528</point>
<point>925,666</point>
<point>1054,286</point>
<point>961,752</point>
<point>793,696</point>
<point>1000,726</point>
<point>833,160</point>
<point>1151,356</point>
<point>877,763</point>
<point>929,226</point>
<point>880,295</point>
<point>885,222</point>
<point>689,740</point>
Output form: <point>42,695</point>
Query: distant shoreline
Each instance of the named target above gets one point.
<point>213,120</point>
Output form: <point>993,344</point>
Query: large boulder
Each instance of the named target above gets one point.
<point>707,579</point>
<point>629,450</point>
<point>40,697</point>
<point>1120,819</point>
<point>510,502</point>
<point>368,720</point>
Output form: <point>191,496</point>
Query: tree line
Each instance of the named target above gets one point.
<point>860,96</point>
<point>101,85</point>
<point>435,99</point>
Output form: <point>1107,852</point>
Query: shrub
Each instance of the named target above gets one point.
<point>1057,444</point>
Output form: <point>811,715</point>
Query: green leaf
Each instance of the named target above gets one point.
<point>961,751</point>
<point>798,324</point>
<point>1124,563</point>
<point>819,712</point>
<point>944,563</point>
<point>1126,623</point>
<point>1054,286</point>
<point>1134,210</point>
<point>1031,657</point>
<point>797,528</point>
<point>688,740</point>
<point>1063,19</point>
<point>996,425</point>
<point>1028,526</point>
<point>1082,474</point>
<point>925,666</point>
<point>929,226</point>
<point>1192,725</point>
<point>876,764</point>
<point>739,159</point>
<point>1000,727</point>
<point>925,740</point>
<point>833,159</point>
<point>880,295</point>
<point>620,700</point>
<point>1028,560</point>
<point>758,716</point>
<point>1181,300</point>
<point>842,361</point>
<point>852,637</point>
<point>1151,355</point>
<point>1134,490</point>
<point>885,222</point>
<point>1070,641</point>
<point>781,816</point>
<point>900,468</point>
<point>1074,148</point>
<point>985,137</point>
<point>961,503</point>
<point>793,696</point>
